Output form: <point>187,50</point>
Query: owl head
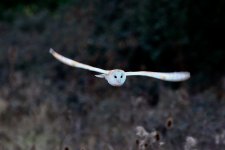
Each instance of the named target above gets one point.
<point>115,77</point>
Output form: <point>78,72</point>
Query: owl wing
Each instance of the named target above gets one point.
<point>74,63</point>
<point>173,76</point>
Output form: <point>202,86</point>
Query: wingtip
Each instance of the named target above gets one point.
<point>51,50</point>
<point>185,76</point>
<point>188,75</point>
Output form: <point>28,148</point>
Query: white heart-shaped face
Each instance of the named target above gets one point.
<point>116,77</point>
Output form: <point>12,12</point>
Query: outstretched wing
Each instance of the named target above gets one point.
<point>73,63</point>
<point>173,76</point>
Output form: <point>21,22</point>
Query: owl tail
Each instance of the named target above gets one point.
<point>100,75</point>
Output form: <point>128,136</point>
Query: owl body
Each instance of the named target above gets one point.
<point>115,77</point>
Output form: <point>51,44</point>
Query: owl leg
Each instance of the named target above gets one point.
<point>100,75</point>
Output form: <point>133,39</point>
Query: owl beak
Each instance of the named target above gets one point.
<point>119,81</point>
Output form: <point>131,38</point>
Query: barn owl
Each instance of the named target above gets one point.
<point>117,77</point>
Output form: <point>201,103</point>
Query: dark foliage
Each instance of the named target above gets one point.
<point>45,104</point>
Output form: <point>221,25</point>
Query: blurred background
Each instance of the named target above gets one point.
<point>46,105</point>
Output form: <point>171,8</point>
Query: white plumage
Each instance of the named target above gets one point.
<point>117,77</point>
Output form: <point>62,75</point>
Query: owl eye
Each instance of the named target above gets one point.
<point>115,76</point>
<point>121,76</point>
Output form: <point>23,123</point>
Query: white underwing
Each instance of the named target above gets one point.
<point>117,77</point>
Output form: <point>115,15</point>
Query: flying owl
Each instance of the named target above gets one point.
<point>117,77</point>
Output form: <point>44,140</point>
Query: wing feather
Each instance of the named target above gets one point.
<point>74,63</point>
<point>173,76</point>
